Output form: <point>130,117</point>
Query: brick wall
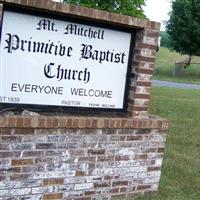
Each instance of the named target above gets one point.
<point>80,158</point>
<point>83,156</point>
<point>74,163</point>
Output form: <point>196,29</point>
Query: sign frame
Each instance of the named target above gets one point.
<point>83,21</point>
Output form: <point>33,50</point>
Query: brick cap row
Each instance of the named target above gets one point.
<point>51,6</point>
<point>81,122</point>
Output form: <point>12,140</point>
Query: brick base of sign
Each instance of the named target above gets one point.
<point>79,163</point>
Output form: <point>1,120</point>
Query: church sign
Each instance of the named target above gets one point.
<point>63,62</point>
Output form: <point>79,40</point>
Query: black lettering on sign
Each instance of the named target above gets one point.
<point>28,88</point>
<point>15,43</point>
<point>91,93</point>
<point>74,29</point>
<point>88,52</point>
<point>58,72</point>
<point>46,24</point>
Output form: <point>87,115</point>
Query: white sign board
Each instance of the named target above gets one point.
<point>46,61</point>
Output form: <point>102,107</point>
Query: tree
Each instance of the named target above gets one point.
<point>165,39</point>
<point>183,27</point>
<point>126,7</point>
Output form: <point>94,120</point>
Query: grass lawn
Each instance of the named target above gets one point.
<point>164,66</point>
<point>180,178</point>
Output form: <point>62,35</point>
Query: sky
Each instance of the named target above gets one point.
<point>157,10</point>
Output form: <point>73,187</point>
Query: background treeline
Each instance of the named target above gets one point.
<point>165,39</point>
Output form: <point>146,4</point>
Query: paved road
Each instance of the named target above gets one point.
<point>175,85</point>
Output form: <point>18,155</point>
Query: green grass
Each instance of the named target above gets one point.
<point>180,178</point>
<point>164,66</point>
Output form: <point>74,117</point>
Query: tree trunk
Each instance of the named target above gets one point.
<point>188,62</point>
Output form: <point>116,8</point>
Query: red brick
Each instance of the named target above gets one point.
<point>144,71</point>
<point>94,123</point>
<point>19,177</point>
<point>77,152</point>
<point>140,157</point>
<point>27,122</point>
<point>3,178</point>
<point>122,158</point>
<point>123,189</point>
<point>105,158</point>
<point>96,152</point>
<point>115,190</point>
<point>53,196</point>
<point>89,192</point>
<point>55,122</point>
<point>24,2</point>
<point>68,122</point>
<point>140,108</point>
<point>4,147</point>
<point>46,146</point>
<point>41,122</point>
<point>22,162</point>
<point>62,122</point>
<point>42,4</point>
<point>43,160</point>
<point>82,123</point>
<point>153,168</point>
<point>24,131</point>
<point>100,123</point>
<point>8,154</point>
<point>11,121</point>
<point>143,187</point>
<point>134,138</point>
<point>119,183</point>
<point>79,173</point>
<point>117,123</point>
<point>144,83</point>
<point>88,123</point>
<point>34,122</point>
<point>11,139</point>
<point>19,122</point>
<point>161,150</point>
<point>75,122</point>
<point>31,168</point>
<point>87,159</point>
<point>14,170</point>
<point>82,198</point>
<point>31,3</point>
<point>111,131</point>
<point>152,33</point>
<point>106,123</point>
<point>145,59</point>
<point>102,184</point>
<point>155,25</point>
<point>142,96</point>
<point>6,131</point>
<point>59,181</point>
<point>111,123</point>
<point>33,153</point>
<point>49,123</point>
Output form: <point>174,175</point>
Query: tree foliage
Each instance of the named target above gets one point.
<point>183,27</point>
<point>126,7</point>
<point>165,39</point>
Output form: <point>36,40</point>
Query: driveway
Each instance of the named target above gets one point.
<point>175,85</point>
